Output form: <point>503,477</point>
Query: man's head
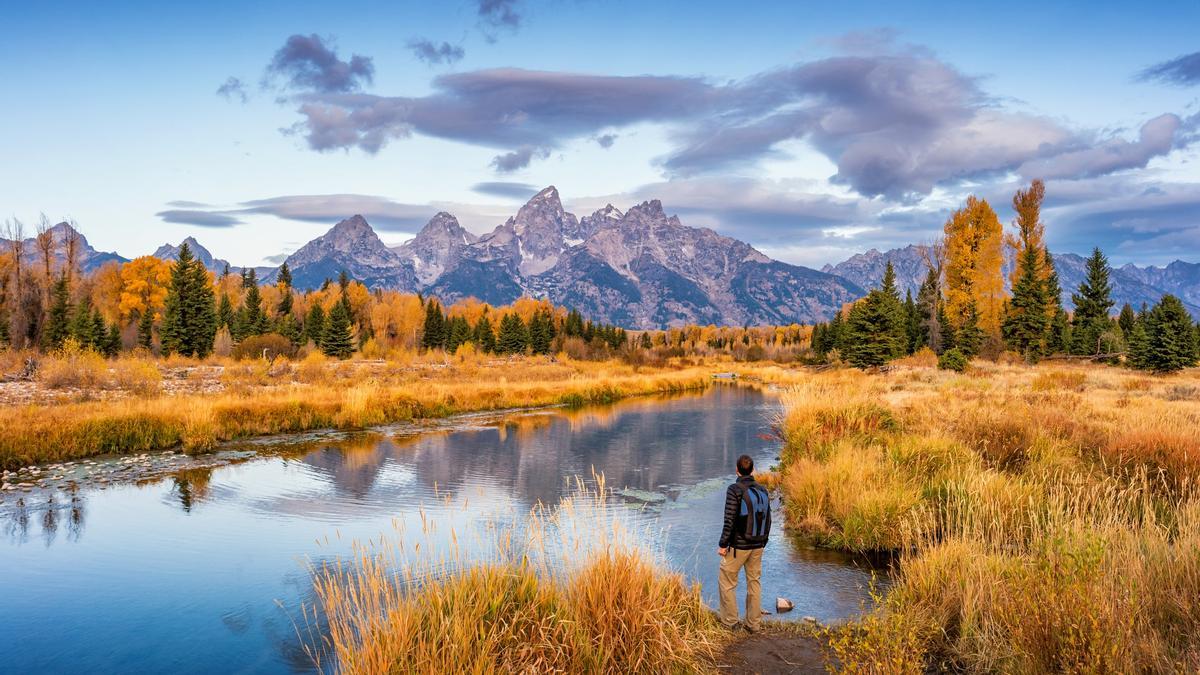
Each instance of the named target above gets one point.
<point>745,465</point>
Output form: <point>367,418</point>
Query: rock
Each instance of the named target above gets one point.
<point>783,605</point>
<point>809,619</point>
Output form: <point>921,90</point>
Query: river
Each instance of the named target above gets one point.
<point>206,571</point>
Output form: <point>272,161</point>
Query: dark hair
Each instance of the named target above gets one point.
<point>745,465</point>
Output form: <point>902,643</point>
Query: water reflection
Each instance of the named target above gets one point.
<point>205,570</point>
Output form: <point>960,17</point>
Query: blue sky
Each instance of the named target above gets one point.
<point>811,130</point>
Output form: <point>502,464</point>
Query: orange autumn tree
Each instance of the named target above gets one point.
<point>144,286</point>
<point>974,279</point>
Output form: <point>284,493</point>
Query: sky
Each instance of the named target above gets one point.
<point>811,130</point>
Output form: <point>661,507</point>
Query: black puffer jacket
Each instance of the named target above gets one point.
<point>733,534</point>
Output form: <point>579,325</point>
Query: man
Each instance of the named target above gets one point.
<point>747,527</point>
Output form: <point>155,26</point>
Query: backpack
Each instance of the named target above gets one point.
<point>756,507</point>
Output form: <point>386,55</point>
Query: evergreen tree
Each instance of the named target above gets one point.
<point>58,320</point>
<point>513,337</point>
<point>1170,337</point>
<point>458,332</point>
<point>99,333</point>
<point>877,329</point>
<point>1058,341</point>
<point>314,324</point>
<point>225,315</point>
<point>644,341</point>
<point>189,319</point>
<point>929,302</point>
<point>969,337</point>
<point>434,334</point>
<point>146,329</point>
<point>337,340</point>
<point>1092,305</point>
<point>288,327</point>
<point>1127,319</point>
<point>285,290</point>
<point>112,345</point>
<point>912,323</point>
<point>1139,344</point>
<point>574,324</point>
<point>485,335</point>
<point>541,332</point>
<point>251,320</point>
<point>83,328</point>
<point>1027,319</point>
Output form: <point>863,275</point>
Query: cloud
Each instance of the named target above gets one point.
<point>507,190</point>
<point>435,54</point>
<point>1183,71</point>
<point>382,213</point>
<point>498,14</point>
<point>198,218</point>
<point>518,159</point>
<point>278,258</point>
<point>233,90</point>
<point>897,122</point>
<point>307,63</point>
<point>606,140</point>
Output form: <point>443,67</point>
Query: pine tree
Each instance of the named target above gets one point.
<point>58,320</point>
<point>285,290</point>
<point>1092,305</point>
<point>434,334</point>
<point>83,328</point>
<point>485,335</point>
<point>1139,344</point>
<point>969,337</point>
<point>251,320</point>
<point>541,332</point>
<point>225,314</point>
<point>644,341</point>
<point>314,324</point>
<point>1058,340</point>
<point>189,319</point>
<point>338,342</point>
<point>574,324</point>
<point>458,332</point>
<point>99,332</point>
<point>897,319</point>
<point>146,329</point>
<point>513,337</point>
<point>1026,321</point>
<point>1127,319</point>
<point>1170,337</point>
<point>929,301</point>
<point>912,323</point>
<point>112,345</point>
<point>870,340</point>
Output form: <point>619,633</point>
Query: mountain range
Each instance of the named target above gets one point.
<point>638,268</point>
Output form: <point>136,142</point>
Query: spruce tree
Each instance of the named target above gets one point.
<point>112,345</point>
<point>541,332</point>
<point>574,324</point>
<point>99,333</point>
<point>225,314</point>
<point>1170,337</point>
<point>338,342</point>
<point>58,320</point>
<point>252,320</point>
<point>644,341</point>
<point>458,333</point>
<point>513,336</point>
<point>1127,319</point>
<point>485,335</point>
<point>434,334</point>
<point>285,290</point>
<point>189,318</point>
<point>1058,339</point>
<point>314,324</point>
<point>877,329</point>
<point>912,323</point>
<point>83,328</point>
<point>929,302</point>
<point>146,329</point>
<point>1093,303</point>
<point>969,337</point>
<point>1139,345</point>
<point>1027,319</point>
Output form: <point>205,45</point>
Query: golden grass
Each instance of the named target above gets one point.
<point>572,593</point>
<point>258,400</point>
<point>1047,518</point>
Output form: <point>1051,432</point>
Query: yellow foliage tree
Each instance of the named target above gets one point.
<point>144,284</point>
<point>974,262</point>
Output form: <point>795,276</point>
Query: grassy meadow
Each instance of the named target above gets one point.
<point>1044,519</point>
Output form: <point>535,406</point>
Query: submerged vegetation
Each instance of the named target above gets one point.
<point>1046,520</point>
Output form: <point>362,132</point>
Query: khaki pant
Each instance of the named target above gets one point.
<point>731,562</point>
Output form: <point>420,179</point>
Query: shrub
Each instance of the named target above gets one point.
<point>73,366</point>
<point>269,345</point>
<point>954,360</point>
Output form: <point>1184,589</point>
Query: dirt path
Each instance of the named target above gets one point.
<point>775,650</point>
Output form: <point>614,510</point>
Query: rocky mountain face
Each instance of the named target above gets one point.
<point>169,252</point>
<point>87,257</point>
<point>353,246</point>
<point>639,269</point>
<point>1130,283</point>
